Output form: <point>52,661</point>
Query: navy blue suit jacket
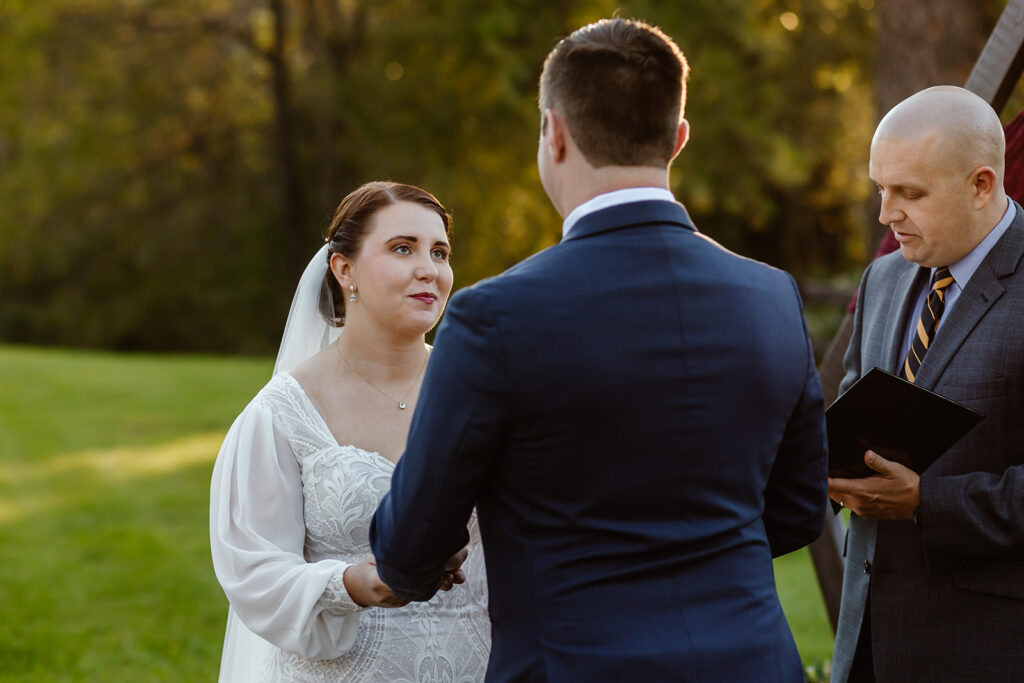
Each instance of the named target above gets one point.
<point>636,415</point>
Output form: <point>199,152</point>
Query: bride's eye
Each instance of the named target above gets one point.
<point>440,254</point>
<point>403,249</point>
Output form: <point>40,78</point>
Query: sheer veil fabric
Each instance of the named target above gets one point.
<point>305,334</point>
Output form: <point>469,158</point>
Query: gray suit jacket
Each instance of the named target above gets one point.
<point>947,594</point>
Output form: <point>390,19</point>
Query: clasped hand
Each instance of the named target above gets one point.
<point>892,493</point>
<point>366,589</point>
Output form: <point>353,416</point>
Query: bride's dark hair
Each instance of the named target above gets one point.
<point>352,221</point>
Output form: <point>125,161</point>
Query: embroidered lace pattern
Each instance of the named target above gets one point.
<point>445,639</point>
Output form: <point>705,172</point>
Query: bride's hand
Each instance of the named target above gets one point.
<point>365,587</point>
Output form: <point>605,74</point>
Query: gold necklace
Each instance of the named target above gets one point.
<point>400,403</point>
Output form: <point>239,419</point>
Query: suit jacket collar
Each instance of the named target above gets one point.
<point>629,215</point>
<point>982,291</point>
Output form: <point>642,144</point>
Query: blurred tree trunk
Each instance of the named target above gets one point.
<point>294,201</point>
<point>338,36</point>
<point>922,43</point>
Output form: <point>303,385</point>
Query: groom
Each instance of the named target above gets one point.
<point>634,412</point>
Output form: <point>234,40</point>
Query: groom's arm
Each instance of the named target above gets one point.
<point>455,435</point>
<point>796,494</point>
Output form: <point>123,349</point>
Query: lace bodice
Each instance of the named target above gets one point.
<point>445,639</point>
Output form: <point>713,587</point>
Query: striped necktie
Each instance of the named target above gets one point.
<point>926,326</point>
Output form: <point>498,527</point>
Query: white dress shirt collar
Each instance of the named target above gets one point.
<point>614,198</point>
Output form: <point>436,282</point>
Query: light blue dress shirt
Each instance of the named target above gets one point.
<point>961,271</point>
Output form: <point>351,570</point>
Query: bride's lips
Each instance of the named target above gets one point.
<point>425,297</point>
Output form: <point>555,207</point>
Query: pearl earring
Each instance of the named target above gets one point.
<point>352,296</point>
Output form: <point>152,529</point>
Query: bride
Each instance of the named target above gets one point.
<point>304,466</point>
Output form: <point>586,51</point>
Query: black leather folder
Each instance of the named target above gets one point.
<point>895,418</point>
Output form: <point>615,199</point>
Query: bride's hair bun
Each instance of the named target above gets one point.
<point>350,225</point>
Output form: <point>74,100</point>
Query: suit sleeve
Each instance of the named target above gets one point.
<point>796,493</point>
<point>973,517</point>
<point>455,435</point>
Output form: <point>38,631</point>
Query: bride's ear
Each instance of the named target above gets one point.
<point>342,269</point>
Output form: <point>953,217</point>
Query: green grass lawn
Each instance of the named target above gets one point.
<point>105,571</point>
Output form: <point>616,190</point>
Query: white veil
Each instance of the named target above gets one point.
<point>306,331</point>
<point>305,334</point>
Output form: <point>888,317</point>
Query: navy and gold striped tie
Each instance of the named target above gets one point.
<point>926,326</point>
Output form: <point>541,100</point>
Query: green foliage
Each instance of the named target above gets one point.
<point>781,119</point>
<point>105,570</point>
<point>167,166</point>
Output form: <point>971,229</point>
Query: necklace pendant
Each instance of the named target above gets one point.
<point>401,405</point>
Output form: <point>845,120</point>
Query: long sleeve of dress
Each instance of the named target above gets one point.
<point>257,533</point>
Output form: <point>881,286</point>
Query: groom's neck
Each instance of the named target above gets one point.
<point>588,182</point>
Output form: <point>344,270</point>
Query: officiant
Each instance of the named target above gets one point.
<point>934,581</point>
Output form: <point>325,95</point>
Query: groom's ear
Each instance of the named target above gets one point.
<point>682,136</point>
<point>554,125</point>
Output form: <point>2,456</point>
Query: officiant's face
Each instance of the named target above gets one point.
<point>926,199</point>
<point>402,272</point>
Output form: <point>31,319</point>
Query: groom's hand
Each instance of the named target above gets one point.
<point>453,573</point>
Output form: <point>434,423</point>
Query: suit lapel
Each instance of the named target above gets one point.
<point>978,296</point>
<point>981,292</point>
<point>905,291</point>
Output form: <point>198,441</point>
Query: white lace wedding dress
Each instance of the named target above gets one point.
<point>290,510</point>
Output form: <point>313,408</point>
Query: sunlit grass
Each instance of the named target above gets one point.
<point>105,462</point>
<point>804,606</point>
<point>110,466</point>
<point>105,570</point>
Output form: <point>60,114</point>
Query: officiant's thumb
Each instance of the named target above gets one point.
<point>876,462</point>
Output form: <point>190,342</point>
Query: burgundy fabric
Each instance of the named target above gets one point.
<point>1013,183</point>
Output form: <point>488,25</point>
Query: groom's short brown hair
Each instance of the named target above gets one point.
<point>621,85</point>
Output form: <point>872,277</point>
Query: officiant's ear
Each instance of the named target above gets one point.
<point>342,269</point>
<point>553,132</point>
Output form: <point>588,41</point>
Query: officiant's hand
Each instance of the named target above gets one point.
<point>365,587</point>
<point>892,493</point>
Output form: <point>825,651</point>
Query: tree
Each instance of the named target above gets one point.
<point>170,165</point>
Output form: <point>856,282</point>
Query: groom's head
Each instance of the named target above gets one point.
<point>620,86</point>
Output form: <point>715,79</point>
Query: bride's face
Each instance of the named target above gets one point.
<point>401,273</point>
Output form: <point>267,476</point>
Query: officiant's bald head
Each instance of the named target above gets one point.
<point>965,125</point>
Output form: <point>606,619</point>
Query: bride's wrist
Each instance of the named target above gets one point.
<point>355,584</point>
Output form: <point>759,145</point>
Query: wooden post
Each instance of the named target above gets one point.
<point>827,551</point>
<point>1002,60</point>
